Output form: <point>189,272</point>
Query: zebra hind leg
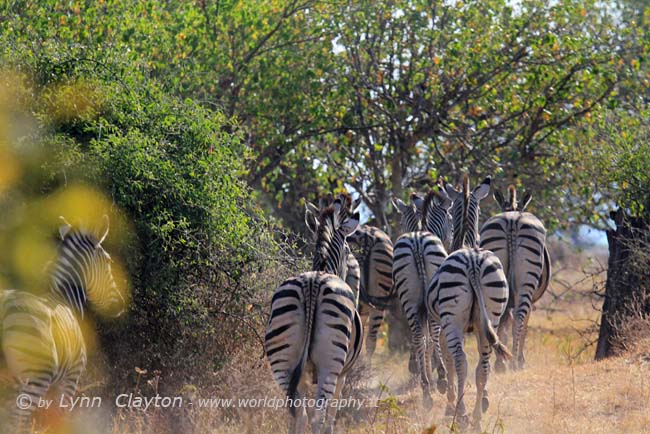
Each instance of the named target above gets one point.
<point>522,331</point>
<point>332,410</point>
<point>482,373</point>
<point>328,386</point>
<point>298,422</point>
<point>455,340</point>
<point>518,336</point>
<point>434,333</point>
<point>376,318</point>
<point>450,409</point>
<point>502,332</point>
<point>418,345</point>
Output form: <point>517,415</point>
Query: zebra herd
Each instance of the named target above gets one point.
<point>42,341</point>
<point>448,278</point>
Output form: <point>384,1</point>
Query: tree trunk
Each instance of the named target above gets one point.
<point>628,280</point>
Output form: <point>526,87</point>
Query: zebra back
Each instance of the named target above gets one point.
<point>375,255</point>
<point>512,204</point>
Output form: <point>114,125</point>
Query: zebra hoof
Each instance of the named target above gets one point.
<point>442,385</point>
<point>500,368</point>
<point>485,404</point>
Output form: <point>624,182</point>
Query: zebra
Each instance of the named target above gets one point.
<point>469,290</point>
<point>314,325</point>
<point>417,255</point>
<point>518,238</point>
<point>376,290</point>
<point>353,270</point>
<point>42,342</point>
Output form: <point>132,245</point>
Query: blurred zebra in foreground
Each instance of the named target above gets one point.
<point>417,255</point>
<point>469,290</point>
<point>376,260</point>
<point>518,238</point>
<point>42,342</point>
<point>314,330</point>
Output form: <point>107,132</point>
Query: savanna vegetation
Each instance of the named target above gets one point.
<point>201,126</point>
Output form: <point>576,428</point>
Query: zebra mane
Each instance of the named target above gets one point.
<point>464,222</point>
<point>327,222</point>
<point>512,197</point>
<point>346,199</point>
<point>335,224</point>
<point>428,201</point>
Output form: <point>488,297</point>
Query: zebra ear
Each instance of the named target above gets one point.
<point>103,229</point>
<point>310,207</point>
<point>525,201</point>
<point>499,199</point>
<point>417,200</point>
<point>356,203</point>
<point>451,192</point>
<point>399,205</point>
<point>311,211</point>
<point>64,228</point>
<point>483,189</point>
<point>350,224</point>
<point>442,198</point>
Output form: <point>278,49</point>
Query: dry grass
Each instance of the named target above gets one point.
<point>562,390</point>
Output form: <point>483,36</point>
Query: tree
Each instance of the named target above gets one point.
<point>427,89</point>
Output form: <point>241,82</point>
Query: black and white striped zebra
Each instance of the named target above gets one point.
<point>518,238</point>
<point>314,327</point>
<point>42,342</point>
<point>375,256</point>
<point>416,256</point>
<point>469,290</point>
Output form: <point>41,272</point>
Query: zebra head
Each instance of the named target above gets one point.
<point>465,211</point>
<point>411,214</point>
<point>511,203</point>
<point>331,226</point>
<point>82,272</point>
<point>435,216</point>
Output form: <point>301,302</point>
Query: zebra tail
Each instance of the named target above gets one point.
<point>485,325</point>
<point>512,284</point>
<point>296,375</point>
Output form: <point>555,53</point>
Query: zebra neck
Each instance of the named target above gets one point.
<point>438,225</point>
<point>68,292</point>
<point>331,256</point>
